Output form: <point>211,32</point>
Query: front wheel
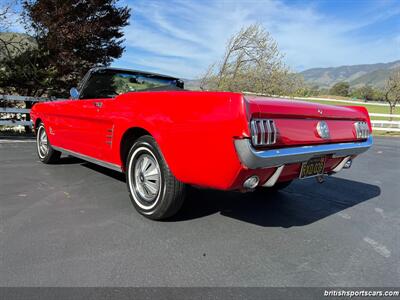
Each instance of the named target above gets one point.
<point>46,153</point>
<point>153,189</point>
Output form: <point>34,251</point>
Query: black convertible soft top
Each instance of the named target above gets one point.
<point>179,82</point>
<point>132,71</point>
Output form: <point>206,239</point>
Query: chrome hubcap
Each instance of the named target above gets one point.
<point>147,177</point>
<point>43,145</point>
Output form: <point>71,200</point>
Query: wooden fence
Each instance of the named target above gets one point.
<point>7,113</point>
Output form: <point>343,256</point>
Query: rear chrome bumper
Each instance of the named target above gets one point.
<point>254,159</point>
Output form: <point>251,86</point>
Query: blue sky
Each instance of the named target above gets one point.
<point>182,37</point>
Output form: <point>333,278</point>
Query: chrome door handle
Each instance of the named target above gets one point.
<point>98,104</point>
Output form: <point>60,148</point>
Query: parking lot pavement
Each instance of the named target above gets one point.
<point>72,224</point>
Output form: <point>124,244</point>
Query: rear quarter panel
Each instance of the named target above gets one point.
<point>195,131</point>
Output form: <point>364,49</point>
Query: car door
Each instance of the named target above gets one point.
<point>93,129</point>
<point>76,127</point>
<point>85,127</point>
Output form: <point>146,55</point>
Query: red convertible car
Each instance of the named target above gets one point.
<point>165,138</point>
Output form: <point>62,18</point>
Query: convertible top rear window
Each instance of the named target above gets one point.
<point>108,83</point>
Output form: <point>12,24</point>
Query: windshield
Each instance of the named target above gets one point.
<point>111,83</point>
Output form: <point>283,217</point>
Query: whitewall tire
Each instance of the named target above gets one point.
<point>153,189</point>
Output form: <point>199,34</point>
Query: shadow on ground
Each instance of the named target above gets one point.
<point>69,160</point>
<point>302,203</point>
<point>14,137</point>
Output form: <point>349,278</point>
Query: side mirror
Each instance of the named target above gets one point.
<point>180,84</point>
<point>74,93</point>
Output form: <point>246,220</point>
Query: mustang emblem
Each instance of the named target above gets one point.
<point>323,130</point>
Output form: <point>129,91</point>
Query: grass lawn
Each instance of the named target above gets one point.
<point>379,109</point>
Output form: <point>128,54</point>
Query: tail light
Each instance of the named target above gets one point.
<point>362,130</point>
<point>263,132</point>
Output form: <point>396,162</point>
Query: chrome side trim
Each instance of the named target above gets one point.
<point>272,180</point>
<point>110,136</point>
<point>254,159</point>
<point>90,159</point>
<point>340,166</point>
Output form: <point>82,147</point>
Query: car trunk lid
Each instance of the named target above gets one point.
<point>296,109</point>
<point>297,121</point>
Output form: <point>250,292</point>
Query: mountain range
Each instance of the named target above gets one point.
<point>15,42</point>
<point>374,75</point>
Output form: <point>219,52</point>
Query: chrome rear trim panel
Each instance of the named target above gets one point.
<point>272,180</point>
<point>340,166</point>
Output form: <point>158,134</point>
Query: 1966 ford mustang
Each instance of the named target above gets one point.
<point>164,138</point>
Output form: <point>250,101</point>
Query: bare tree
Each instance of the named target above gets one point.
<point>251,62</point>
<point>208,79</point>
<point>11,44</point>
<point>5,12</point>
<point>392,90</point>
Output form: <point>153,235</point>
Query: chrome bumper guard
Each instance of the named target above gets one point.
<point>254,159</point>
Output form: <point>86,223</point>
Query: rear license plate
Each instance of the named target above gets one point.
<point>313,167</point>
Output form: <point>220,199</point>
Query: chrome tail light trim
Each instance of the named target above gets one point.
<point>362,130</point>
<point>263,132</point>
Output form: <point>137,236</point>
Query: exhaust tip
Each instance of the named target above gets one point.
<point>348,163</point>
<point>251,182</point>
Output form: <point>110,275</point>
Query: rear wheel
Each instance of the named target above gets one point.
<point>45,151</point>
<point>153,189</point>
